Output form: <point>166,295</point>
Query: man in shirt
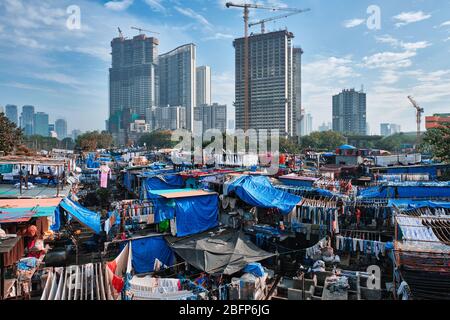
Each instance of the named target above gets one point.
<point>51,176</point>
<point>23,174</point>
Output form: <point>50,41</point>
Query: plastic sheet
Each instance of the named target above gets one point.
<point>86,217</point>
<point>146,250</point>
<point>258,191</point>
<point>196,214</point>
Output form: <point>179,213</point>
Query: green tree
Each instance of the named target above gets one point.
<point>395,142</point>
<point>38,143</point>
<point>10,135</point>
<point>289,145</point>
<point>91,141</point>
<point>438,142</point>
<point>157,139</point>
<point>328,140</point>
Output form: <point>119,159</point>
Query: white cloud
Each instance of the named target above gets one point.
<point>156,5</point>
<point>390,60</point>
<point>188,12</point>
<point>389,77</point>
<point>219,36</point>
<point>353,23</point>
<point>445,24</point>
<point>415,45</point>
<point>329,68</point>
<point>56,77</point>
<point>118,5</point>
<point>405,18</point>
<point>400,44</point>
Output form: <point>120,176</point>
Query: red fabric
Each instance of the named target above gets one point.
<point>358,216</point>
<point>112,266</point>
<point>117,283</point>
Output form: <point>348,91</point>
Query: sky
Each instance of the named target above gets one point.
<point>63,70</point>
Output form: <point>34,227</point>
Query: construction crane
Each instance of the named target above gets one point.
<point>140,30</point>
<point>247,7</point>
<point>286,15</point>
<point>419,112</point>
<point>120,33</point>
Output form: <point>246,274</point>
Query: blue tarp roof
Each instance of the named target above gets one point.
<point>86,217</point>
<point>409,190</point>
<point>146,250</point>
<point>414,204</point>
<point>258,191</point>
<point>347,147</point>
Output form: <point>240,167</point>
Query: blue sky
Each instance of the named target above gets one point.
<point>65,72</point>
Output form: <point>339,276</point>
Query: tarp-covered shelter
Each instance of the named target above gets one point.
<point>409,190</point>
<point>407,204</point>
<point>194,211</point>
<point>258,191</point>
<point>226,251</point>
<point>146,250</point>
<point>86,217</point>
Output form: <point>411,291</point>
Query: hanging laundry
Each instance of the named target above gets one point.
<point>105,174</point>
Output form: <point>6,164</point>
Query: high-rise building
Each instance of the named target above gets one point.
<point>41,124</point>
<point>203,86</point>
<point>325,127</point>
<point>349,112</point>
<point>297,97</point>
<point>306,124</point>
<point>168,118</point>
<point>27,120</point>
<point>12,114</point>
<point>211,117</point>
<point>133,83</point>
<point>271,84</point>
<point>395,128</point>
<point>177,80</point>
<point>61,128</point>
<point>387,129</point>
<point>75,134</point>
<point>437,120</point>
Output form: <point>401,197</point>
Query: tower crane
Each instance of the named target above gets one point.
<point>120,33</point>
<point>286,15</point>
<point>140,30</point>
<point>247,7</point>
<point>419,112</point>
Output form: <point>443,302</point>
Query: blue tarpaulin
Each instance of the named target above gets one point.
<point>146,250</point>
<point>86,217</point>
<point>408,190</point>
<point>413,204</point>
<point>196,214</point>
<point>431,170</point>
<point>164,182</point>
<point>258,191</point>
<point>160,182</point>
<point>56,221</point>
<point>255,269</point>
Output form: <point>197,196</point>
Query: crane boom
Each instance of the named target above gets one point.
<point>419,112</point>
<point>257,6</point>
<point>140,30</point>
<point>286,15</point>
